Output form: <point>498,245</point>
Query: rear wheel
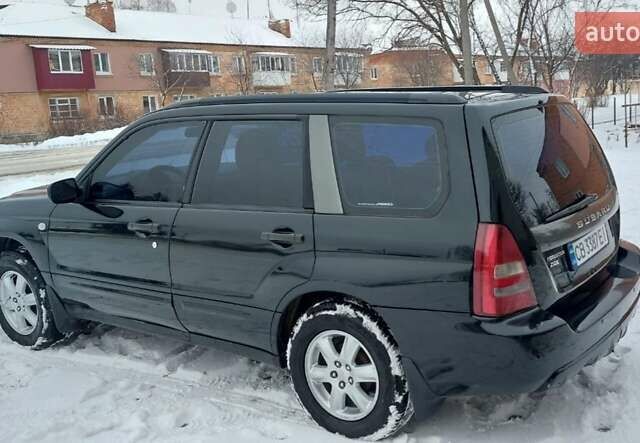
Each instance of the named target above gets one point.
<point>347,373</point>
<point>25,312</point>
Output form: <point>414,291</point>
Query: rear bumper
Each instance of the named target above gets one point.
<point>457,354</point>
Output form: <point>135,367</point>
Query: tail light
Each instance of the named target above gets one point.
<point>501,282</point>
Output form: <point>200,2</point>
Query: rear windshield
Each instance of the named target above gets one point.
<point>551,160</point>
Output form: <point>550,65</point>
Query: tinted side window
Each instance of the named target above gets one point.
<point>150,165</point>
<point>388,165</point>
<point>253,163</point>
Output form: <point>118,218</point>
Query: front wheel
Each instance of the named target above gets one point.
<point>25,312</point>
<point>347,373</point>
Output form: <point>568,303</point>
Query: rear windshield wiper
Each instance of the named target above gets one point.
<point>581,203</point>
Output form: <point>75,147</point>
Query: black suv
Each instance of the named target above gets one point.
<point>391,248</point>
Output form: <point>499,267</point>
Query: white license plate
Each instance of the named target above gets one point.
<point>583,249</point>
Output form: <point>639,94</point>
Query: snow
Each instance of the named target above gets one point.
<point>116,385</point>
<point>48,20</point>
<point>83,140</point>
<point>9,185</point>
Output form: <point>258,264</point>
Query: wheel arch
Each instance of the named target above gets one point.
<point>294,306</point>
<point>14,243</point>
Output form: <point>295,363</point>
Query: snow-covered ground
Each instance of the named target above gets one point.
<point>99,138</point>
<point>116,385</point>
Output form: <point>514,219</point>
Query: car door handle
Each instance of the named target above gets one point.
<point>144,228</point>
<point>282,238</point>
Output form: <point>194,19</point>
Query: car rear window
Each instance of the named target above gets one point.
<point>388,165</point>
<point>551,160</point>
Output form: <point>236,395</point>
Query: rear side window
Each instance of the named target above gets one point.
<point>150,165</point>
<point>550,159</point>
<point>253,164</point>
<point>389,166</point>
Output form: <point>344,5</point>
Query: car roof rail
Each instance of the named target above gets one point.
<point>509,89</point>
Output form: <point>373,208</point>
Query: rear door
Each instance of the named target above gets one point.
<point>561,185</point>
<point>405,230</point>
<point>246,237</point>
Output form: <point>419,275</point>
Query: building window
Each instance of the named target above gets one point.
<point>182,98</point>
<point>194,62</point>
<point>65,61</point>
<point>102,63</point>
<point>293,65</point>
<point>487,69</point>
<point>106,107</point>
<point>64,107</point>
<point>317,65</point>
<point>239,66</point>
<point>271,63</point>
<point>348,63</point>
<point>149,103</point>
<point>147,64</point>
<point>214,64</point>
<point>374,73</point>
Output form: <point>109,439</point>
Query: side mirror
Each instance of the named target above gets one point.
<point>64,191</point>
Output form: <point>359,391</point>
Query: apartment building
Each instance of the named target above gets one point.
<point>408,63</point>
<point>66,69</point>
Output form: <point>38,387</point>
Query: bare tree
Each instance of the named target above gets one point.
<point>542,32</point>
<point>163,79</point>
<point>436,20</point>
<point>594,74</point>
<point>242,71</point>
<point>423,70</point>
<point>349,60</point>
<point>328,9</point>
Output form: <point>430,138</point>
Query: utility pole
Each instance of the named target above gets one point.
<point>511,76</point>
<point>329,75</point>
<point>466,42</point>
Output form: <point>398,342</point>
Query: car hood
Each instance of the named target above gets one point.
<point>25,205</point>
<point>40,191</point>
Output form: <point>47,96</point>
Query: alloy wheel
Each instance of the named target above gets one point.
<point>341,375</point>
<point>18,303</point>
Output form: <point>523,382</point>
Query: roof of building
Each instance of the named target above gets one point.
<point>56,21</point>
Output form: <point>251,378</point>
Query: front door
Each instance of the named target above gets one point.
<point>246,238</point>
<point>110,254</point>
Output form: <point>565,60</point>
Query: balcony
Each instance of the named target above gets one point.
<point>177,79</point>
<point>187,68</point>
<point>271,79</point>
<point>271,69</point>
<point>63,67</point>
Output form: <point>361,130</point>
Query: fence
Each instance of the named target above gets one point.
<point>615,109</point>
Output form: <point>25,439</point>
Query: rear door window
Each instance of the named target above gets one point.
<point>389,166</point>
<point>550,159</point>
<point>256,164</point>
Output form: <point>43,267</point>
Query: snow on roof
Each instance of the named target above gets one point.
<point>69,47</point>
<point>188,51</point>
<point>47,20</point>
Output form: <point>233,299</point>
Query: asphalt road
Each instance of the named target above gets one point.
<point>24,162</point>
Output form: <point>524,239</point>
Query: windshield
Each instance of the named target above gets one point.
<point>551,160</point>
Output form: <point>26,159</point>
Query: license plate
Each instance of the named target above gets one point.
<point>583,249</point>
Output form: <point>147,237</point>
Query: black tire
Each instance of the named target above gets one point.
<point>45,333</point>
<point>393,407</point>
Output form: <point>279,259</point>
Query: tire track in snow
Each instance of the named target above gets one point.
<point>112,378</point>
